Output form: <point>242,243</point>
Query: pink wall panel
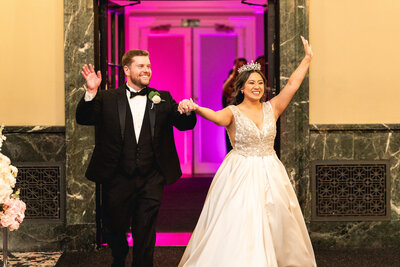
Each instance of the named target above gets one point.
<point>167,63</point>
<point>167,55</point>
<point>217,54</point>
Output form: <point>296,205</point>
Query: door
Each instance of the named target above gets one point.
<point>212,61</point>
<point>170,55</point>
<point>194,63</point>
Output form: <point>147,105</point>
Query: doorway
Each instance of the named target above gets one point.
<point>192,47</point>
<point>204,37</point>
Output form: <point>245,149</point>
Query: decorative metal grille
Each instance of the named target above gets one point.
<point>350,190</point>
<point>42,190</point>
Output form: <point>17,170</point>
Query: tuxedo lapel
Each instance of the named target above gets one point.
<point>152,114</point>
<point>121,102</point>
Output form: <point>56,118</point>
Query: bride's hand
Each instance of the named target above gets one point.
<point>187,106</point>
<point>194,105</point>
<point>307,48</point>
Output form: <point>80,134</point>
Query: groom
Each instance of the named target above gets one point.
<point>134,154</point>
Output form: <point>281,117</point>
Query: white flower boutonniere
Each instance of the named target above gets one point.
<point>155,98</point>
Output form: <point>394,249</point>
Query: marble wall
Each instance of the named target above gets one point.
<point>301,143</point>
<point>359,142</point>
<point>78,50</point>
<point>70,145</point>
<point>294,121</point>
<point>36,144</point>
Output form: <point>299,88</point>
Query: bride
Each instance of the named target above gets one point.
<point>251,216</point>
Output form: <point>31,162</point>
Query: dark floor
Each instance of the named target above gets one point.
<point>181,205</point>
<point>180,209</point>
<point>170,256</point>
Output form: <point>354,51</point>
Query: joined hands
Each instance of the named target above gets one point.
<point>187,106</point>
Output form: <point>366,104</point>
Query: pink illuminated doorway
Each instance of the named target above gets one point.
<point>193,62</point>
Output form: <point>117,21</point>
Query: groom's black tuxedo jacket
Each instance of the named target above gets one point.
<point>108,112</point>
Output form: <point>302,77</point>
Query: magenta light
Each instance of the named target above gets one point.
<point>219,34</point>
<point>164,35</point>
<point>259,11</point>
<point>172,239</point>
<point>241,18</point>
<point>166,239</point>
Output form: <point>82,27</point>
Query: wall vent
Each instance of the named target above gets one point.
<point>43,190</point>
<point>350,190</point>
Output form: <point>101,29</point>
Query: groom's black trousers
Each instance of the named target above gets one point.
<point>132,201</point>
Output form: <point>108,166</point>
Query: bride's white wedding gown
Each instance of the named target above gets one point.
<point>251,216</point>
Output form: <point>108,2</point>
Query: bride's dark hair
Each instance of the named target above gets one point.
<point>237,95</point>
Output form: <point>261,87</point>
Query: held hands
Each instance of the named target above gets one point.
<point>307,48</point>
<point>187,105</point>
<point>93,80</point>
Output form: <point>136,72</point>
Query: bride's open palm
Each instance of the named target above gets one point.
<point>307,47</point>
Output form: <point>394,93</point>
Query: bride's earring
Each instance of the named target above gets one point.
<point>242,91</point>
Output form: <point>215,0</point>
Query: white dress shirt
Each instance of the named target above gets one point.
<point>137,106</point>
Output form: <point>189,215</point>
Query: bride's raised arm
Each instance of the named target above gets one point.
<point>282,100</point>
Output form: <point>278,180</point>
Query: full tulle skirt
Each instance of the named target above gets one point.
<point>251,217</point>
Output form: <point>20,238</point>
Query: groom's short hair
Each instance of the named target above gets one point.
<point>127,58</point>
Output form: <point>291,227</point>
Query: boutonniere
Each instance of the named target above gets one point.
<point>155,98</point>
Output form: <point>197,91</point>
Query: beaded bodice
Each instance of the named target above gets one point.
<point>247,139</point>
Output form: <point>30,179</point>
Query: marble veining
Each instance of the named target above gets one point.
<point>360,143</point>
<point>33,129</point>
<point>301,143</point>
<point>80,196</point>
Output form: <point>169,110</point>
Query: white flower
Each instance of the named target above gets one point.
<point>7,178</point>
<point>12,209</point>
<point>4,159</point>
<point>5,190</point>
<point>156,99</point>
<point>10,179</point>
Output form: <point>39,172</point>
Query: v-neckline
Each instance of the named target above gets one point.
<point>255,125</point>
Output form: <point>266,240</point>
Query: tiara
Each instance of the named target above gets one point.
<point>249,67</point>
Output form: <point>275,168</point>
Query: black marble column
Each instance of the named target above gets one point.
<point>294,121</point>
<point>80,199</point>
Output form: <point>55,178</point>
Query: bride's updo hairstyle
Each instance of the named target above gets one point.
<point>244,73</point>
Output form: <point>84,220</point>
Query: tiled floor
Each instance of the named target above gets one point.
<point>32,258</point>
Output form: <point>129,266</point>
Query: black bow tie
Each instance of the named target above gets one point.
<point>141,92</point>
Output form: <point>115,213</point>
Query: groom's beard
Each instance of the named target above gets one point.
<point>142,81</point>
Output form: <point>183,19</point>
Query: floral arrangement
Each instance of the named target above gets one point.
<point>12,209</point>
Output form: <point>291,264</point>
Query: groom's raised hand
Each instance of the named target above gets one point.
<point>93,79</point>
